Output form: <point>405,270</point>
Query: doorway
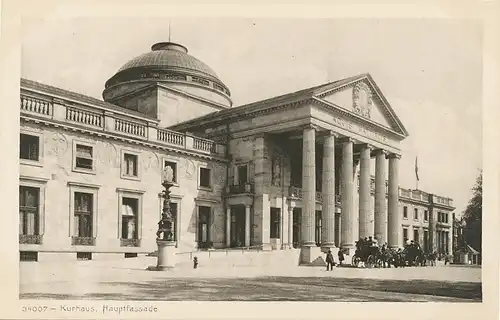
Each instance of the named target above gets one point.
<point>237,226</point>
<point>204,214</point>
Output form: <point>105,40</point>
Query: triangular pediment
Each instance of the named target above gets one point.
<point>362,97</point>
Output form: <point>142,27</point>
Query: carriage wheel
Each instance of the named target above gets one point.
<point>370,262</point>
<point>355,261</point>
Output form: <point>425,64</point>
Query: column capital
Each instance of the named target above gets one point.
<point>310,126</point>
<point>393,156</point>
<point>367,146</point>
<point>380,151</point>
<point>346,140</point>
<point>247,206</point>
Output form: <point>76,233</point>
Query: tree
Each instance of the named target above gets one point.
<point>473,215</point>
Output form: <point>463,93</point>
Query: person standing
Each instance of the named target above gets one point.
<point>329,261</point>
<point>341,257</point>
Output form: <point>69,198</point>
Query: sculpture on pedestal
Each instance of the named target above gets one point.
<point>165,230</point>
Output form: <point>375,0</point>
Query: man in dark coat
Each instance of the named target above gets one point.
<point>329,261</point>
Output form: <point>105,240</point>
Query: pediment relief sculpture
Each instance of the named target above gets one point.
<point>362,99</point>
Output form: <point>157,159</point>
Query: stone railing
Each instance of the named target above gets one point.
<point>116,122</point>
<point>130,128</point>
<point>203,144</point>
<point>30,239</point>
<point>171,137</point>
<point>443,201</point>
<point>82,241</point>
<point>242,188</point>
<point>34,105</point>
<point>84,117</point>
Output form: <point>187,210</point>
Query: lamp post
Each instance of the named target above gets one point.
<point>165,237</point>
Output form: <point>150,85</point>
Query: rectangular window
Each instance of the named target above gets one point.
<point>130,210</point>
<point>172,165</point>
<point>275,223</point>
<point>426,215</point>
<point>84,158</point>
<point>83,214</point>
<point>205,178</point>
<point>405,235</point>
<point>130,165</point>
<point>416,235</point>
<point>405,212</point>
<point>242,175</point>
<point>29,148</point>
<point>415,214</point>
<point>446,217</point>
<point>29,210</point>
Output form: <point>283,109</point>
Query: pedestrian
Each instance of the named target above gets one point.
<point>341,257</point>
<point>195,262</point>
<point>329,261</point>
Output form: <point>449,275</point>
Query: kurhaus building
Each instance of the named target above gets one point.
<point>294,171</point>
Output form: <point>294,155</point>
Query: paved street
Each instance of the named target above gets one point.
<point>127,280</point>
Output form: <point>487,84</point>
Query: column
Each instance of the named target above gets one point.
<point>261,205</point>
<point>247,226</point>
<point>394,224</point>
<point>290,226</point>
<point>380,206</point>
<point>228,226</point>
<point>328,190</point>
<point>308,243</point>
<point>348,218</point>
<point>365,227</point>
<point>450,242</point>
<point>308,186</point>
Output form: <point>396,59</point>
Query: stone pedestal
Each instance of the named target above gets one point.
<point>166,256</point>
<point>308,254</point>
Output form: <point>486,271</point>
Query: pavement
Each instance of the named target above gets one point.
<point>127,279</point>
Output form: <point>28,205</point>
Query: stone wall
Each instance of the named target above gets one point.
<point>56,168</point>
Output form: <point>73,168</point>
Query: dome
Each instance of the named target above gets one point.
<point>167,62</point>
<point>169,55</point>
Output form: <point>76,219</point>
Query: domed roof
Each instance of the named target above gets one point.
<point>169,55</point>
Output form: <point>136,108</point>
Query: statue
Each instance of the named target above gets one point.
<point>165,230</point>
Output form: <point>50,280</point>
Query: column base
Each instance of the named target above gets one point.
<point>267,247</point>
<point>166,256</point>
<point>328,246</point>
<point>309,253</point>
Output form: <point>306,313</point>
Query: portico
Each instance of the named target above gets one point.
<point>309,161</point>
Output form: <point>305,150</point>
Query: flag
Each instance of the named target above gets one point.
<point>416,168</point>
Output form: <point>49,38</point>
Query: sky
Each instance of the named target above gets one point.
<point>430,70</point>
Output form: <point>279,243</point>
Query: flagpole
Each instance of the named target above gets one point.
<point>416,172</point>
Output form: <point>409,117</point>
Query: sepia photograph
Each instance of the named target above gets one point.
<point>250,159</point>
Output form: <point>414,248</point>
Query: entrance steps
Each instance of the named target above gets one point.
<point>240,258</point>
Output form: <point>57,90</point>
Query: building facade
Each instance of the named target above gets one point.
<point>290,171</point>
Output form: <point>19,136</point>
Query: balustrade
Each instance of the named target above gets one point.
<point>130,242</point>
<point>83,116</point>
<point>203,144</point>
<point>106,120</point>
<point>36,105</point>
<point>171,137</point>
<point>131,128</point>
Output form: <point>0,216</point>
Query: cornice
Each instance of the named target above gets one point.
<point>118,137</point>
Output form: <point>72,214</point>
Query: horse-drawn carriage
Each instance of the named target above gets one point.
<point>366,253</point>
<point>372,256</point>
